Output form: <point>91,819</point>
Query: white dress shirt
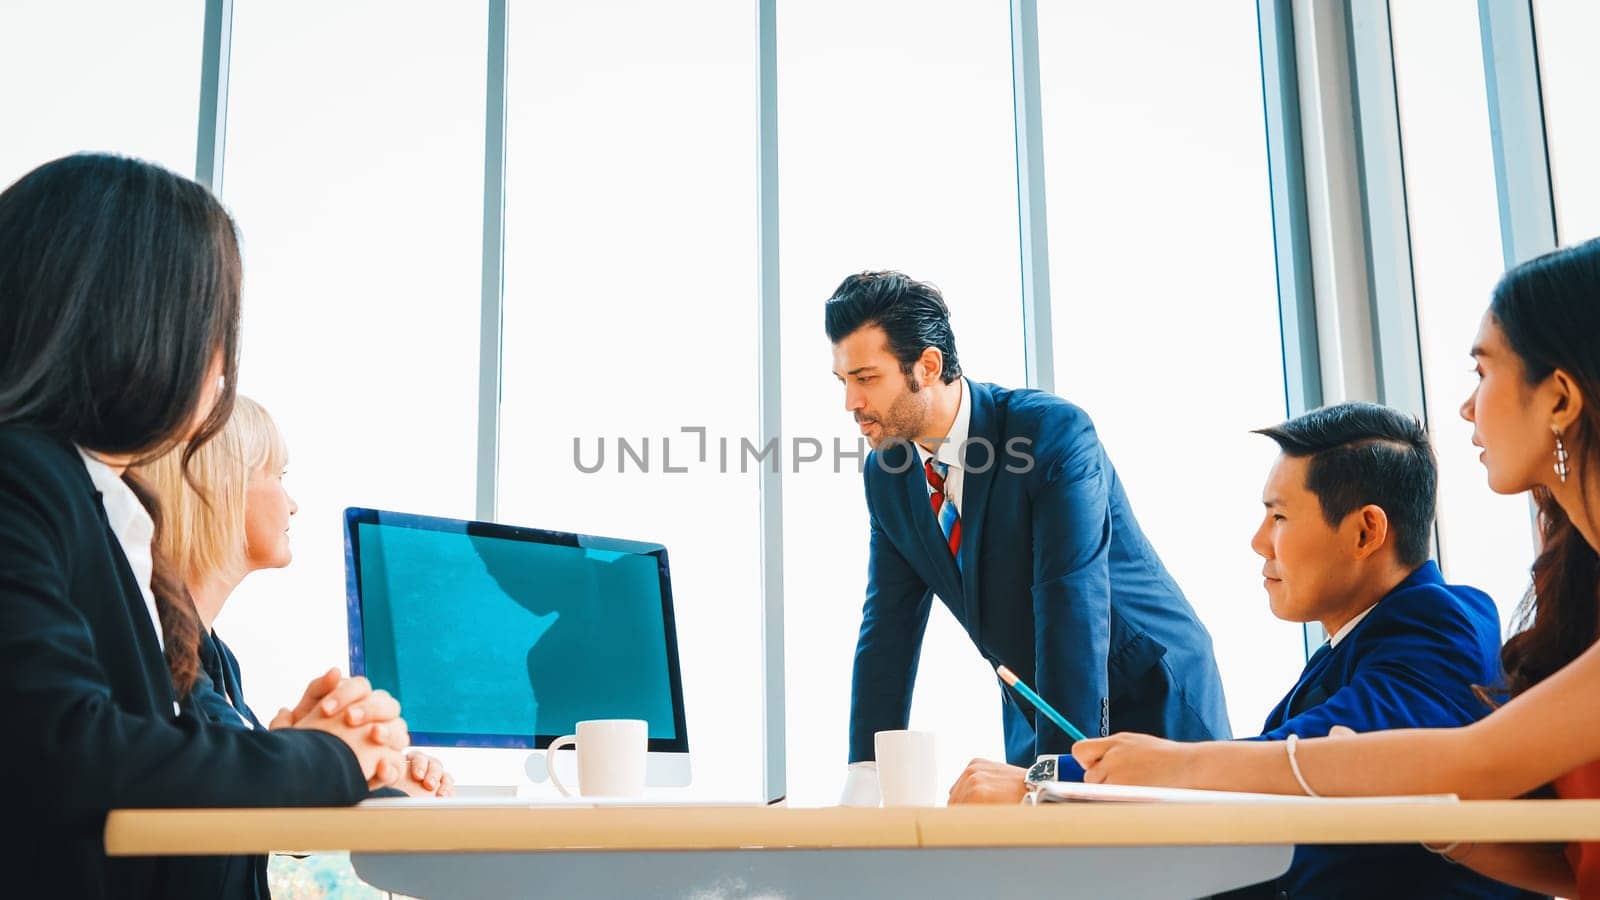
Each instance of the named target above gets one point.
<point>950,451</point>
<point>861,786</point>
<point>133,527</point>
<point>1350,626</point>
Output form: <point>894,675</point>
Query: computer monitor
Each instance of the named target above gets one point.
<point>494,635</point>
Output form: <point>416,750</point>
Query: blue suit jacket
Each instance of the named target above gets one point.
<point>1056,581</point>
<point>1411,663</point>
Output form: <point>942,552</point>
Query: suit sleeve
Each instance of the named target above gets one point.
<point>74,752</point>
<point>1071,591</point>
<point>1416,670</point>
<point>893,620</point>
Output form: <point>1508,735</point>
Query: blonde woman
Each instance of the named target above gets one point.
<point>241,525</point>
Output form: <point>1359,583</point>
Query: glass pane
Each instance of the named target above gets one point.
<point>100,75</point>
<point>1486,540</point>
<point>1160,237</point>
<point>630,316</point>
<point>896,151</point>
<point>355,174</point>
<point>1569,76</point>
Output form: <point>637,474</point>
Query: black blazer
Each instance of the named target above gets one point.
<point>89,707</point>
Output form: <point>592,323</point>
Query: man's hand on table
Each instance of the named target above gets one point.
<point>986,781</point>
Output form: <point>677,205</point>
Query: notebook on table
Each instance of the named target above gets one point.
<point>1077,792</point>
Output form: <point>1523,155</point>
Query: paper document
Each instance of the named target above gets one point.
<point>1070,791</point>
<point>541,802</point>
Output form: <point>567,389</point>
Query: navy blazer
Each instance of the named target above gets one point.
<point>1411,663</point>
<point>90,723</point>
<point>218,693</point>
<point>218,700</point>
<point>1056,581</point>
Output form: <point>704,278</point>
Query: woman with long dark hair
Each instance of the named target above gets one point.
<point>1536,413</point>
<point>119,330</point>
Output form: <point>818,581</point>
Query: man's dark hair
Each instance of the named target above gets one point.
<point>911,313</point>
<point>1363,453</point>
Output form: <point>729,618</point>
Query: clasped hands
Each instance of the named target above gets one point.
<point>368,722</point>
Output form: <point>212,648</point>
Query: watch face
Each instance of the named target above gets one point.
<point>1043,770</point>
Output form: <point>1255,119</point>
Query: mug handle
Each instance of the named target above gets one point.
<point>550,760</point>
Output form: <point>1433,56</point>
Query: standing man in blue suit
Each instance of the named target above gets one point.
<point>1004,504</point>
<point>1345,533</point>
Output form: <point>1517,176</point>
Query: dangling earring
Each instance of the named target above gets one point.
<point>1561,456</point>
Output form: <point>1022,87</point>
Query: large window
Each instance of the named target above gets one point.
<point>1165,300</point>
<point>354,169</point>
<point>896,152</point>
<point>1485,540</point>
<point>1569,76</point>
<point>630,315</point>
<point>99,75</point>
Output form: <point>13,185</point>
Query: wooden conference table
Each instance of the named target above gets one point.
<point>1062,850</point>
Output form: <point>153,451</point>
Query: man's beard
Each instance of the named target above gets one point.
<point>906,417</point>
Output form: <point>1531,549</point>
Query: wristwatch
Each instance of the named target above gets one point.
<point>1042,771</point>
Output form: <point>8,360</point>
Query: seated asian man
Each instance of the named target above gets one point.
<point>1345,534</point>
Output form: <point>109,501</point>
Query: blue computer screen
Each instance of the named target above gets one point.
<point>479,635</point>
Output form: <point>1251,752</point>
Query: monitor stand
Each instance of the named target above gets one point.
<point>536,768</point>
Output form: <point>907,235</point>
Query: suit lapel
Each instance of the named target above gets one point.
<point>1310,690</point>
<point>983,449</point>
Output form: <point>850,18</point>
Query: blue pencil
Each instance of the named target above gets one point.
<point>1010,678</point>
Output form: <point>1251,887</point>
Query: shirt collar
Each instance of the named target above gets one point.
<point>950,451</point>
<point>127,516</point>
<point>133,529</point>
<point>1350,626</point>
<point>1427,573</point>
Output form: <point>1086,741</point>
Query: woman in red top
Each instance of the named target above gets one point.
<point>1536,412</point>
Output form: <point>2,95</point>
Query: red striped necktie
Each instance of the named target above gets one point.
<point>944,509</point>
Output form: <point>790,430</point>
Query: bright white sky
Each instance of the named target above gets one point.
<point>354,166</point>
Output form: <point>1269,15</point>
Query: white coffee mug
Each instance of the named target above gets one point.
<point>907,768</point>
<point>611,757</point>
